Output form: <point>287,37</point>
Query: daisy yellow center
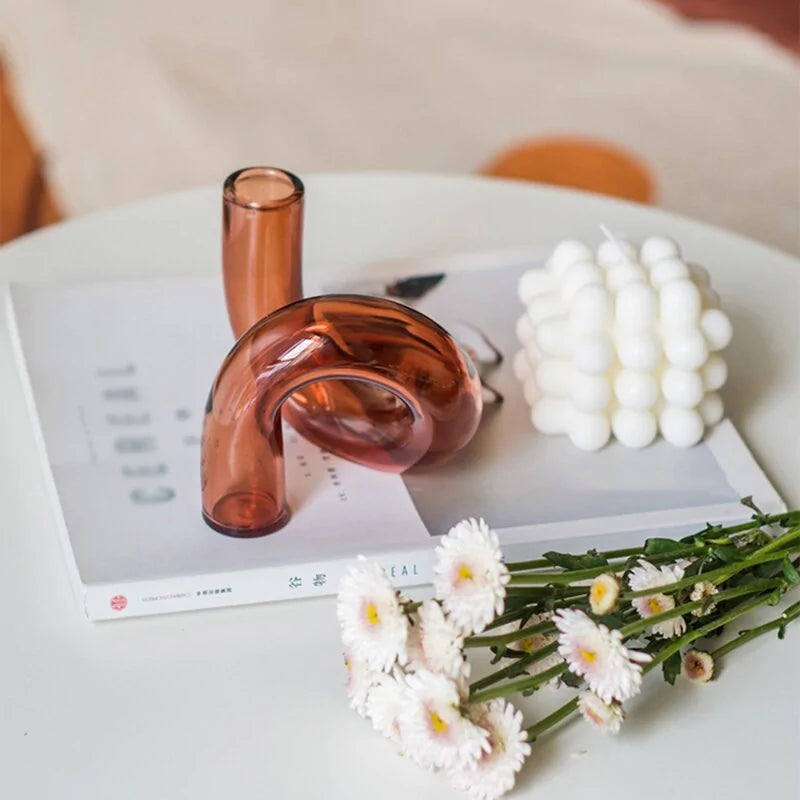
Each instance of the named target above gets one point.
<point>437,723</point>
<point>654,604</point>
<point>599,591</point>
<point>589,656</point>
<point>464,574</point>
<point>696,668</point>
<point>531,643</point>
<point>372,614</point>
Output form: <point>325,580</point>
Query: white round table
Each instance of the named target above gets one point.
<point>249,701</point>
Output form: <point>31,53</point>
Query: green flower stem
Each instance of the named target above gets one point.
<point>514,667</point>
<point>679,611</point>
<point>703,630</point>
<point>757,521</point>
<point>568,577</point>
<point>518,685</point>
<point>543,563</point>
<point>780,542</point>
<point>500,639</point>
<point>752,524</point>
<point>564,578</point>
<point>548,722</point>
<point>619,565</point>
<point>507,638</point>
<point>536,596</point>
<point>789,615</point>
<point>524,591</point>
<point>715,576</point>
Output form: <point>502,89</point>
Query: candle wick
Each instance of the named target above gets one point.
<point>613,239</point>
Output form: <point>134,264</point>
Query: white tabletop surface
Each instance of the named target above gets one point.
<point>249,701</point>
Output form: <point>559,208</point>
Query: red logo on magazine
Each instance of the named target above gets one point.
<point>119,602</point>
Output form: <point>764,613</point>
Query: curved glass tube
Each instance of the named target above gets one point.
<point>364,341</point>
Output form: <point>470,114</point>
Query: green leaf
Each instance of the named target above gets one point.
<point>631,562</point>
<point>727,553</point>
<point>774,598</point>
<point>525,618</point>
<point>571,680</point>
<point>699,538</point>
<point>517,669</point>
<point>515,603</point>
<point>789,572</point>
<point>671,668</point>
<point>753,538</point>
<point>662,547</point>
<point>764,570</point>
<point>694,568</point>
<point>653,646</point>
<point>590,559</point>
<point>612,621</point>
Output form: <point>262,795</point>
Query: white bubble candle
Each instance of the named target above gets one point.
<point>622,342</point>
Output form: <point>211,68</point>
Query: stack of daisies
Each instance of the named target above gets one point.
<point>595,622</point>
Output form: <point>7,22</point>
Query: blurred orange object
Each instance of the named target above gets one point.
<point>26,200</point>
<point>578,163</point>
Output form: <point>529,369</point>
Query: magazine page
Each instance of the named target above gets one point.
<point>119,374</point>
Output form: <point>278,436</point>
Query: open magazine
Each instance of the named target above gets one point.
<point>117,375</point>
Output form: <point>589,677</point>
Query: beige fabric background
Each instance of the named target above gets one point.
<point>133,98</point>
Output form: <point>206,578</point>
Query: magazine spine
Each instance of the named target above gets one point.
<point>47,473</point>
<point>104,601</point>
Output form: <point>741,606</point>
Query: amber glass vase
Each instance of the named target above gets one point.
<point>338,337</point>
<point>368,379</point>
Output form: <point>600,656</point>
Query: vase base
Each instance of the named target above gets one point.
<point>246,515</point>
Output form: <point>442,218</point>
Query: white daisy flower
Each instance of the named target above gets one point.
<point>603,594</point>
<point>436,731</point>
<point>700,591</point>
<point>598,654</point>
<point>494,772</point>
<point>373,620</point>
<point>697,666</point>
<point>656,604</point>
<point>469,575</point>
<point>648,576</point>
<point>606,717</point>
<point>386,703</point>
<point>436,643</point>
<point>360,679</point>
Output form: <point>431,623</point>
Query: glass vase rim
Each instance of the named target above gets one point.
<point>230,194</point>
